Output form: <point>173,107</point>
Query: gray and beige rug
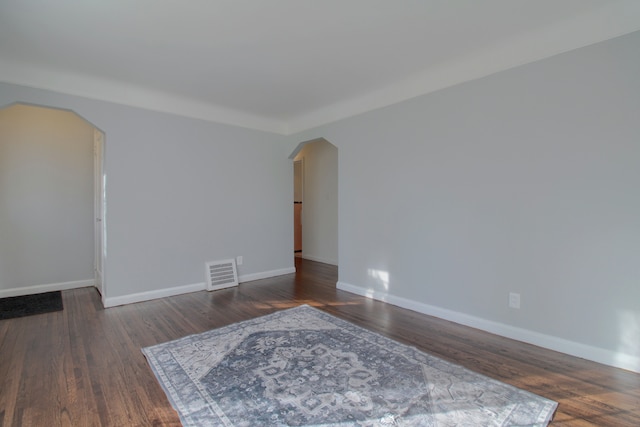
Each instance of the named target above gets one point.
<point>304,367</point>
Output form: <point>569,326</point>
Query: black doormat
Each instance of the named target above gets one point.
<point>27,305</point>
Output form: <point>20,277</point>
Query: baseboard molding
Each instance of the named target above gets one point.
<point>38,289</point>
<point>185,289</point>
<point>151,295</point>
<point>266,274</point>
<point>595,354</point>
<point>319,259</point>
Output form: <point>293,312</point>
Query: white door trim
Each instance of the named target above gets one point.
<point>99,211</point>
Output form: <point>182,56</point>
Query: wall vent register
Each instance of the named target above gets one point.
<point>221,274</point>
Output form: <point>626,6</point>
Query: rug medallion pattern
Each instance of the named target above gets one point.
<point>303,367</point>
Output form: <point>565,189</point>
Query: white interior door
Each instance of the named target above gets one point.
<point>99,208</point>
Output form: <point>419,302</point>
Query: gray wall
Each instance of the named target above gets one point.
<point>320,207</point>
<point>524,181</point>
<point>46,197</point>
<point>181,192</point>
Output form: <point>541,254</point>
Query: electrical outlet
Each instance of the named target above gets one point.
<point>514,300</point>
<point>239,260</point>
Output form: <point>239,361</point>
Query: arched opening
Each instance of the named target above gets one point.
<point>316,201</point>
<point>51,194</point>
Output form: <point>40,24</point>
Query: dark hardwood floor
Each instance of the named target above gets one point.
<point>83,366</point>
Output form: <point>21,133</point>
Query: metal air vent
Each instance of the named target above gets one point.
<point>221,274</point>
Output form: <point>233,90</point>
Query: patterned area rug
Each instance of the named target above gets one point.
<point>304,367</point>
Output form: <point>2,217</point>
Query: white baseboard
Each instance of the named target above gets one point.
<point>265,274</point>
<point>596,354</point>
<point>38,289</point>
<point>319,259</point>
<point>150,295</point>
<point>185,289</point>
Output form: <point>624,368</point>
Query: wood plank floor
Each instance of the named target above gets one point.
<point>83,366</point>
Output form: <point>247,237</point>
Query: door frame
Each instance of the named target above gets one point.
<point>99,212</point>
<point>298,180</point>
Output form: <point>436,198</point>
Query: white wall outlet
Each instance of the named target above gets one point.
<point>514,300</point>
<point>239,260</point>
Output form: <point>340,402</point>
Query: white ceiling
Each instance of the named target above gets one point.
<point>286,65</point>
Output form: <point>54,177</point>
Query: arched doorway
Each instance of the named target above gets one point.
<point>51,192</point>
<point>316,202</point>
